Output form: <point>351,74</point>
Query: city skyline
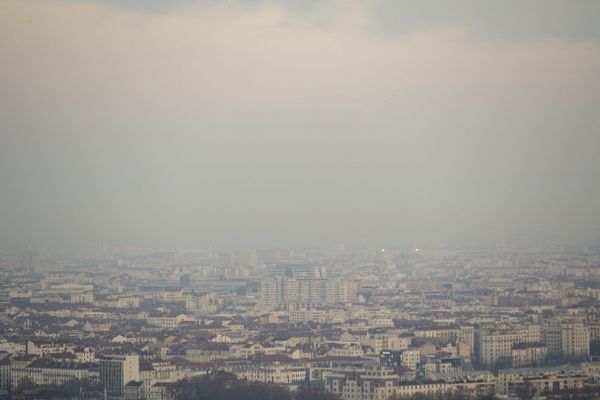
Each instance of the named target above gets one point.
<point>299,199</point>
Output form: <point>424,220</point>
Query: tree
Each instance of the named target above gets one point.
<point>314,394</point>
<point>66,390</point>
<point>222,386</point>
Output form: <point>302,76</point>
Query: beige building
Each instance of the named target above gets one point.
<point>45,371</point>
<point>82,298</point>
<point>511,382</point>
<point>168,322</point>
<point>116,371</point>
<point>128,302</point>
<point>526,354</point>
<point>304,315</point>
<point>362,383</point>
<point>496,344</point>
<point>275,373</point>
<point>567,340</point>
<point>380,342</point>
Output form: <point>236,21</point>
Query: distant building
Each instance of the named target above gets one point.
<point>134,390</point>
<point>116,371</point>
<point>567,340</point>
<point>528,354</point>
<point>390,358</point>
<point>280,291</point>
<point>496,345</point>
<point>400,358</point>
<point>361,384</point>
<point>314,315</point>
<point>82,298</point>
<point>512,382</point>
<point>128,302</point>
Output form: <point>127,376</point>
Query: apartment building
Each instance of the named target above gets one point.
<point>567,340</point>
<point>496,344</point>
<point>528,354</point>
<point>368,383</point>
<point>116,371</point>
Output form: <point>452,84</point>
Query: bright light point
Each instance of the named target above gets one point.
<point>382,249</point>
<point>416,249</point>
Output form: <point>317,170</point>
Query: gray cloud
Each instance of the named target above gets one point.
<point>489,19</point>
<point>496,20</point>
<point>159,6</point>
<point>239,127</point>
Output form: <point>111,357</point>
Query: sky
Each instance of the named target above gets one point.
<point>259,124</point>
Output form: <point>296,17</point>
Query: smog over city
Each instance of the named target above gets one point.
<point>318,199</point>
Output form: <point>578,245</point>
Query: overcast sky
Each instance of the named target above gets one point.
<point>257,123</point>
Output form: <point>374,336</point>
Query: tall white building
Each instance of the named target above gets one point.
<point>279,292</point>
<point>270,297</point>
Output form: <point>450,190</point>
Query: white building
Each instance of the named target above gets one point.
<point>82,298</point>
<point>496,345</point>
<point>567,340</point>
<point>361,383</point>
